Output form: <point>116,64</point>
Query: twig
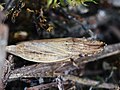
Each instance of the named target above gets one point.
<point>41,70</point>
<point>42,86</point>
<point>89,82</point>
<point>60,83</point>
<point>72,88</point>
<point>7,69</point>
<point>37,70</point>
<point>8,5</point>
<point>45,86</point>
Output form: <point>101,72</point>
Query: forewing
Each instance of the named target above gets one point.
<point>36,56</point>
<point>53,50</point>
<point>76,46</point>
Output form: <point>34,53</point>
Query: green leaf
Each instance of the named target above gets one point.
<point>49,2</point>
<point>62,2</point>
<point>1,7</point>
<point>55,3</point>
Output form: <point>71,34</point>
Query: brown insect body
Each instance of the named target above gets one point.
<point>54,50</point>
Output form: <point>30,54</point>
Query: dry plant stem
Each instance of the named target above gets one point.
<point>72,88</point>
<point>3,43</point>
<point>45,86</point>
<point>40,70</point>
<point>1,85</point>
<point>42,86</point>
<point>89,82</point>
<point>7,69</point>
<point>37,70</point>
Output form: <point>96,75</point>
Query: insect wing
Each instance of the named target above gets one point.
<point>53,50</point>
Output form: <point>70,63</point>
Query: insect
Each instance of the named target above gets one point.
<point>54,50</point>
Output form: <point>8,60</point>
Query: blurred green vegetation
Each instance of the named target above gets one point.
<point>35,19</point>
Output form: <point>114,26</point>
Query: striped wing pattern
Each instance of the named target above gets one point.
<point>53,50</point>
